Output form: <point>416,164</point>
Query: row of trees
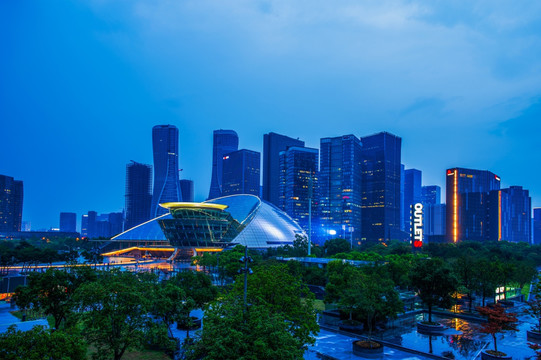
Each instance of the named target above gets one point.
<point>113,311</point>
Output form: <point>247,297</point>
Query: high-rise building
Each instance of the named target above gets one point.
<point>509,215</point>
<point>412,194</point>
<point>224,142</point>
<point>536,226</point>
<point>187,189</point>
<point>273,144</point>
<point>381,187</point>
<point>138,193</point>
<point>402,180</point>
<point>340,188</point>
<point>166,181</point>
<point>431,195</point>
<point>298,179</point>
<point>89,224</point>
<point>241,173</point>
<point>68,222</point>
<point>434,210</point>
<point>467,194</point>
<point>11,204</point>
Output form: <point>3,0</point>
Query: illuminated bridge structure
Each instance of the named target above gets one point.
<point>212,225</point>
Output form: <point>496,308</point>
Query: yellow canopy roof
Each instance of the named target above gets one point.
<point>193,205</point>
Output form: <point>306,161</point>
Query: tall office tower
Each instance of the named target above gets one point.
<point>115,223</point>
<point>166,184</point>
<point>467,193</point>
<point>536,226</point>
<point>187,189</point>
<point>11,204</point>
<point>402,180</point>
<point>224,142</point>
<point>340,187</point>
<point>138,193</point>
<point>412,194</point>
<point>431,195</point>
<point>241,173</point>
<point>68,222</point>
<point>273,144</point>
<point>298,180</point>
<point>89,224</point>
<point>381,187</point>
<point>509,215</point>
<point>434,211</point>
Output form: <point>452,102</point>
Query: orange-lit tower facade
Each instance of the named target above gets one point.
<point>467,198</point>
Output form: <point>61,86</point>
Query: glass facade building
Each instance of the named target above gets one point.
<point>224,142</point>
<point>381,187</point>
<point>298,180</point>
<point>273,144</point>
<point>219,223</point>
<point>68,222</point>
<point>138,193</point>
<point>467,196</point>
<point>340,188</point>
<point>412,194</point>
<point>187,189</point>
<point>241,173</point>
<point>166,180</point>
<point>536,238</point>
<point>11,204</point>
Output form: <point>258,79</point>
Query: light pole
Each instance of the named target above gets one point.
<point>246,270</point>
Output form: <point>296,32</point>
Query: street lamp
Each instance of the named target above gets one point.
<point>246,270</point>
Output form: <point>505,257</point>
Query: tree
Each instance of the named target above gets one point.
<point>51,292</point>
<point>534,304</point>
<point>434,282</point>
<point>498,321</point>
<point>487,276</point>
<point>336,246</point>
<point>279,321</point>
<point>464,267</point>
<point>114,312</point>
<point>260,333</point>
<point>40,343</point>
<point>170,304</point>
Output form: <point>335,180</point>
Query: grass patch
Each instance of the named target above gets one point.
<point>525,290</point>
<point>319,305</point>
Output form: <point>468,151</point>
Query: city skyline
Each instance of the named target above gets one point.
<point>79,100</point>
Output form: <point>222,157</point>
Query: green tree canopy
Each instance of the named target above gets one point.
<point>434,282</point>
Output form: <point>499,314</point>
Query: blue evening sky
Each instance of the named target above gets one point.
<point>83,82</point>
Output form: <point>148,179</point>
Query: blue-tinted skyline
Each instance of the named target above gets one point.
<point>84,83</point>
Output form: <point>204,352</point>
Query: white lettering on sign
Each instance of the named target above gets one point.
<point>418,225</point>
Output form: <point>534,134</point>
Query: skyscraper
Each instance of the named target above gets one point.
<point>224,142</point>
<point>340,187</point>
<point>187,189</point>
<point>68,222</point>
<point>536,226</point>
<point>431,195</point>
<point>298,179</point>
<point>241,173</point>
<point>434,210</point>
<point>412,194</point>
<point>11,204</point>
<point>381,187</point>
<point>273,144</point>
<point>467,194</point>
<point>138,193</point>
<point>509,215</point>
<point>166,181</point>
<point>89,227</point>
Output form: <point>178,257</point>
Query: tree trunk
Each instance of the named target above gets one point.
<point>495,343</point>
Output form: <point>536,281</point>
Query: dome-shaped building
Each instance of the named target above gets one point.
<point>218,223</point>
